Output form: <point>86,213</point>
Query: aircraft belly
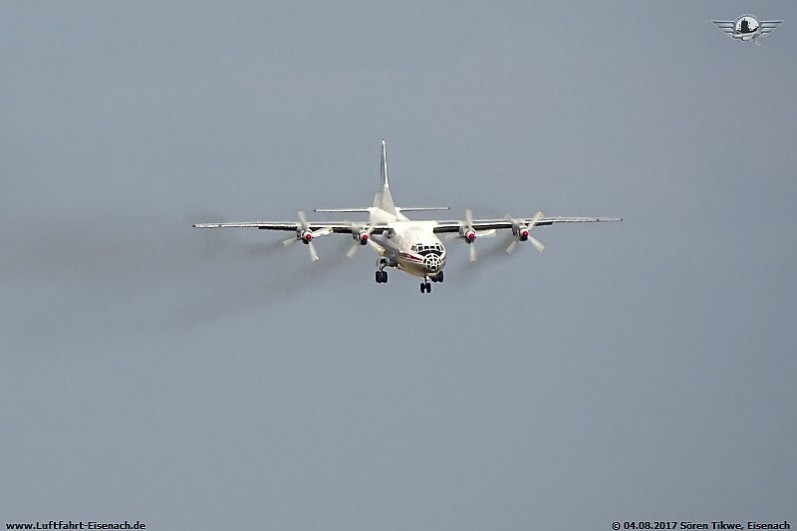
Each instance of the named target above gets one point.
<point>412,268</point>
<point>417,269</point>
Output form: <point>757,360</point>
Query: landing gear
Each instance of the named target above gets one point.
<point>426,287</point>
<point>438,277</point>
<point>381,274</point>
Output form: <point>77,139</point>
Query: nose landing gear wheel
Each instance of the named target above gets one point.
<point>381,277</point>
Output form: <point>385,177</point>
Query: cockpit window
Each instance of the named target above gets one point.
<point>426,249</point>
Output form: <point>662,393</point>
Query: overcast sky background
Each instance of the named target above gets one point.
<point>214,380</point>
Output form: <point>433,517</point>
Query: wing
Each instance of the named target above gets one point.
<point>508,223</point>
<point>768,26</point>
<point>335,226</point>
<point>725,26</point>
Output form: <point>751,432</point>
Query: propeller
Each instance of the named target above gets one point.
<point>522,232</point>
<point>305,235</point>
<point>361,235</point>
<point>469,234</point>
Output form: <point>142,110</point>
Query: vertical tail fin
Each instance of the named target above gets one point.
<point>383,166</point>
<point>384,199</point>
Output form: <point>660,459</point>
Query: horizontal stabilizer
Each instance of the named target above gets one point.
<point>341,210</point>
<point>420,209</point>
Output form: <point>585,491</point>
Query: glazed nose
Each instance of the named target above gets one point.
<point>432,262</point>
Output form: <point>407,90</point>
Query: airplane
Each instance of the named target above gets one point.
<point>411,246</point>
<point>747,28</point>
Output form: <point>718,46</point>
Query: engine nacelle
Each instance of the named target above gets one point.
<point>469,235</point>
<point>361,236</point>
<point>521,232</point>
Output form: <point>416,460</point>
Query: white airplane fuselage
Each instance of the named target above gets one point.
<point>410,246</point>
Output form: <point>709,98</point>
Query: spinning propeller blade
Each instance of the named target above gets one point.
<point>304,234</point>
<point>313,253</point>
<point>469,234</point>
<point>360,236</point>
<point>523,232</point>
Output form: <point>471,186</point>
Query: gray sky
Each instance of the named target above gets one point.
<point>204,380</point>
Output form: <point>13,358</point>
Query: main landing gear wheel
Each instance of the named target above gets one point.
<point>381,277</point>
<point>426,287</point>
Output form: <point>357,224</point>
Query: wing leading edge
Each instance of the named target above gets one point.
<point>337,227</point>
<point>440,226</point>
<point>508,223</point>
